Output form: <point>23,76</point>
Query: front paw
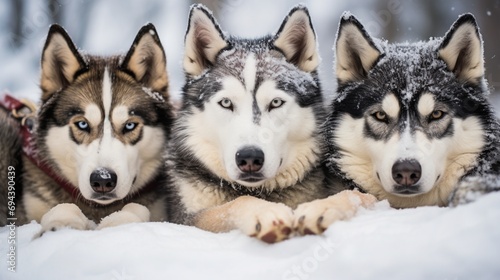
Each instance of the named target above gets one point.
<point>65,215</point>
<point>316,216</point>
<point>130,213</point>
<point>268,221</point>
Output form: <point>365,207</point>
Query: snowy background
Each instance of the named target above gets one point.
<point>428,242</point>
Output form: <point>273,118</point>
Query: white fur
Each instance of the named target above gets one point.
<point>93,115</point>
<point>130,213</point>
<point>65,215</point>
<point>271,216</point>
<point>390,105</point>
<point>196,197</point>
<point>120,115</point>
<point>426,104</point>
<point>139,161</point>
<point>250,72</point>
<point>283,134</point>
<point>449,158</point>
<point>318,214</point>
<point>77,162</point>
<point>107,94</point>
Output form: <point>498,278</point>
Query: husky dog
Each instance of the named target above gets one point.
<point>411,121</point>
<point>101,131</point>
<point>246,146</point>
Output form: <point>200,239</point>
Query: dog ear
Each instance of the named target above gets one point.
<point>462,49</point>
<point>297,40</point>
<point>146,60</point>
<point>203,42</point>
<point>61,62</point>
<point>355,51</point>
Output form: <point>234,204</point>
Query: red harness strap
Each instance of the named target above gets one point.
<point>27,121</point>
<point>29,148</point>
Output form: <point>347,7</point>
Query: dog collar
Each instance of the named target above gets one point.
<point>24,111</point>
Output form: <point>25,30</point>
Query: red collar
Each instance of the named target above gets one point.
<point>14,106</point>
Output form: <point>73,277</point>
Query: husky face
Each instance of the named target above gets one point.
<point>251,106</point>
<point>407,117</point>
<point>103,121</point>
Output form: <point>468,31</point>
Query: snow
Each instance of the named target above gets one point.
<point>153,94</point>
<point>383,243</point>
<point>428,242</point>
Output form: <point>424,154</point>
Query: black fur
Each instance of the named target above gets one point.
<point>184,164</point>
<point>408,71</point>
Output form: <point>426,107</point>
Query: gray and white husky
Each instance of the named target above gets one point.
<point>101,131</point>
<point>411,122</point>
<point>247,145</point>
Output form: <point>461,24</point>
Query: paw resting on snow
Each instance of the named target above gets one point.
<point>130,213</point>
<point>65,215</point>
<point>68,215</point>
<point>472,188</point>
<point>314,217</point>
<point>268,221</point>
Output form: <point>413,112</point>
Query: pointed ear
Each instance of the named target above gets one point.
<point>297,40</point>
<point>146,60</point>
<point>61,62</point>
<point>462,49</point>
<point>203,42</point>
<point>355,51</point>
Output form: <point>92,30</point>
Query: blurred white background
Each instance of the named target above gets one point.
<point>107,27</point>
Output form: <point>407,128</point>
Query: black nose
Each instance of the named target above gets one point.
<point>103,180</point>
<point>406,172</point>
<point>250,159</point>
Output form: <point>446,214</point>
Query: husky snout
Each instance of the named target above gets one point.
<point>406,174</point>
<point>250,159</point>
<point>103,180</point>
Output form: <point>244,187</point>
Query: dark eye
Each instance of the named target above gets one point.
<point>436,115</point>
<point>83,125</point>
<point>226,103</point>
<point>276,103</point>
<point>129,127</point>
<point>380,116</point>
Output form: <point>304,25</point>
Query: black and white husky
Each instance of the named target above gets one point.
<point>410,122</point>
<point>96,155</point>
<point>247,145</point>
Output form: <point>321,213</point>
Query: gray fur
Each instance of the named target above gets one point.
<point>184,164</point>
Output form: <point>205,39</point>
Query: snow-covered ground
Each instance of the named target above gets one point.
<point>384,243</point>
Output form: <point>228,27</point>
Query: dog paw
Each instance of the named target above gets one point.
<point>268,221</point>
<point>130,213</point>
<point>65,215</point>
<point>316,216</point>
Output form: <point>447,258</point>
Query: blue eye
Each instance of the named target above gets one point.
<point>226,103</point>
<point>129,127</point>
<point>83,125</point>
<point>276,103</point>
